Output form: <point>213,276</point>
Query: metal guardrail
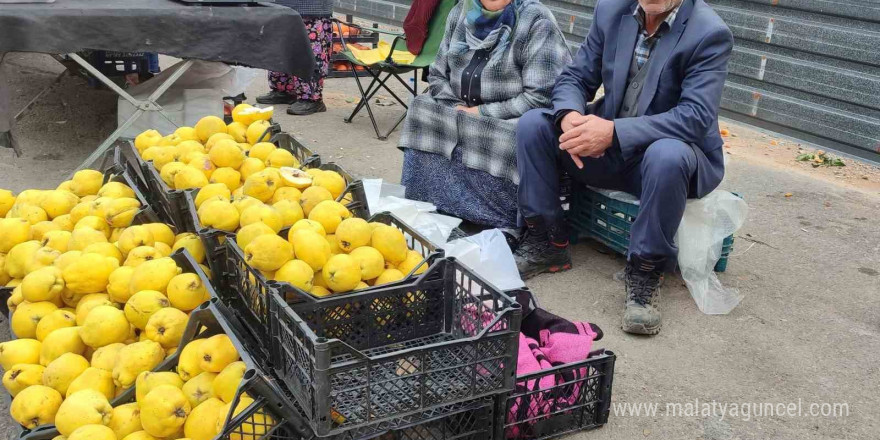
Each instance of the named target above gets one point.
<point>809,69</point>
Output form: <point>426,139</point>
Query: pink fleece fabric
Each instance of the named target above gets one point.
<point>563,348</point>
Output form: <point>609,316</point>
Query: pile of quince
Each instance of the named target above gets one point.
<point>192,402</point>
<point>95,302</point>
<point>213,152</point>
<point>331,251</point>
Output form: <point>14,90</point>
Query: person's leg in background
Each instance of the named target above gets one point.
<point>664,177</point>
<point>289,89</point>
<point>540,162</point>
<point>309,92</point>
<point>6,113</point>
<point>281,86</point>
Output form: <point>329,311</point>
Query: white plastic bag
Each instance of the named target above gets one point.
<point>388,197</point>
<point>488,254</point>
<point>705,225</point>
<point>197,93</point>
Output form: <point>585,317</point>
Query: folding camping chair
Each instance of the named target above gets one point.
<point>389,68</point>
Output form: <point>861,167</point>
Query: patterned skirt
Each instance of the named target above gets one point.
<point>309,89</point>
<point>457,190</point>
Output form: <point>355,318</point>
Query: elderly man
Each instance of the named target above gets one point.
<point>655,134</point>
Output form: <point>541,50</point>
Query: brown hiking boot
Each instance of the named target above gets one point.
<point>642,314</point>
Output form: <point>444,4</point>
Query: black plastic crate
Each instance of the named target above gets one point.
<point>472,420</point>
<point>248,292</point>
<point>372,356</point>
<point>146,214</point>
<point>114,168</point>
<point>115,65</point>
<point>125,159</point>
<point>303,154</point>
<point>111,174</point>
<point>350,70</point>
<point>120,63</point>
<point>354,196</point>
<point>214,240</point>
<point>188,213</point>
<point>270,416</point>
<point>414,241</point>
<point>579,401</point>
<point>5,293</point>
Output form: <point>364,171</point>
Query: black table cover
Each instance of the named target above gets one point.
<point>263,35</point>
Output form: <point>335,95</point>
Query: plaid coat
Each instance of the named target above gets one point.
<point>518,77</point>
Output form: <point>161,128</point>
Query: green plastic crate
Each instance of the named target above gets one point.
<point>608,221</point>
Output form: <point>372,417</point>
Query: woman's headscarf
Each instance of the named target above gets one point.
<point>488,29</point>
<point>482,21</point>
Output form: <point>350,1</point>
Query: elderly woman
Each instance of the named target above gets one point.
<point>498,59</point>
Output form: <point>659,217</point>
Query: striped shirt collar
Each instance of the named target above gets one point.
<point>639,14</point>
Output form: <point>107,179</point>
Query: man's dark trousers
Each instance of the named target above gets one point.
<point>660,178</point>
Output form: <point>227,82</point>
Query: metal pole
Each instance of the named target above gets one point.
<point>40,95</point>
<point>170,81</point>
<point>109,141</point>
<point>101,77</point>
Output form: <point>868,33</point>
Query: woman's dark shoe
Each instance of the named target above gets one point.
<point>543,248</point>
<point>303,108</point>
<point>276,97</point>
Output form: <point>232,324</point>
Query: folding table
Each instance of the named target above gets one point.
<point>260,35</point>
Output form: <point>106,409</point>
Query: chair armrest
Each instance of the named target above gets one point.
<point>390,60</point>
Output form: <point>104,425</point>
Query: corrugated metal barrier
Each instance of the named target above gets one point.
<point>805,68</point>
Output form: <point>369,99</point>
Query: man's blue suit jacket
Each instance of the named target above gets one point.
<point>682,93</point>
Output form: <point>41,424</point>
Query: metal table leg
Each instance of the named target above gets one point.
<point>148,105</point>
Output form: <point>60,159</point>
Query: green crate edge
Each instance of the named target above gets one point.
<point>580,218</point>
